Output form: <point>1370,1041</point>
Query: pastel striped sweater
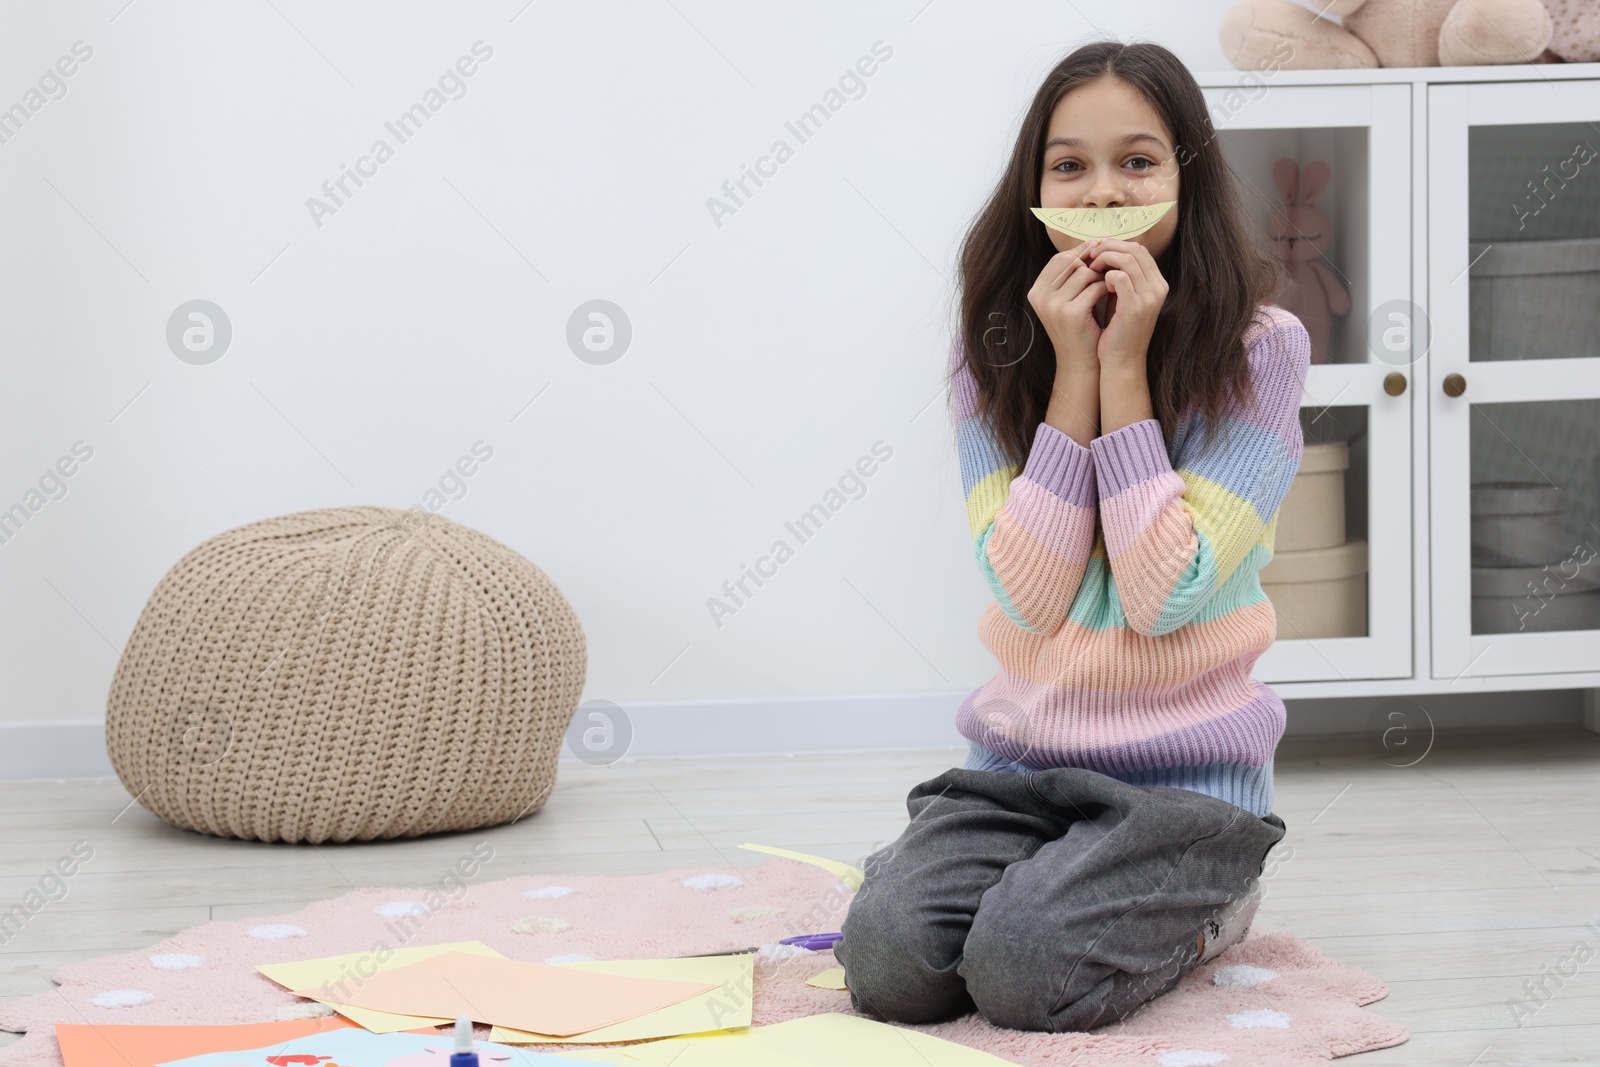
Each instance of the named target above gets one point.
<point>1127,610</point>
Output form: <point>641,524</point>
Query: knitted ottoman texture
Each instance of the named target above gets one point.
<point>346,674</point>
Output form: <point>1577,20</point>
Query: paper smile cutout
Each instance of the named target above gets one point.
<point>1086,223</point>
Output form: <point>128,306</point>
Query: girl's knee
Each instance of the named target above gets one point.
<point>899,966</point>
<point>1000,965</point>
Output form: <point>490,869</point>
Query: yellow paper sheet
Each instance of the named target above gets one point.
<point>832,978</point>
<point>716,1010</point>
<point>850,876</point>
<point>305,974</point>
<point>527,996</point>
<point>829,1040</point>
<point>732,1048</point>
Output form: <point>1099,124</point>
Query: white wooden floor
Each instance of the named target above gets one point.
<point>1455,880</point>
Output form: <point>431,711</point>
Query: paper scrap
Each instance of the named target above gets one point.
<point>832,978</point>
<point>827,1040</point>
<point>850,876</point>
<point>725,1007</point>
<point>352,969</point>
<point>542,998</point>
<point>355,1047</point>
<point>1086,223</point>
<point>120,1045</point>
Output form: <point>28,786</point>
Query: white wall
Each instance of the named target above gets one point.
<point>368,353</point>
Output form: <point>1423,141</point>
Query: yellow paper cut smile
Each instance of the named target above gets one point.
<point>1086,223</point>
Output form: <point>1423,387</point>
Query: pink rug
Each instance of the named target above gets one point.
<point>1271,1000</point>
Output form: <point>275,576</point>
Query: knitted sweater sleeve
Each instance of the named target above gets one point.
<point>1032,530</point>
<point>1179,538</point>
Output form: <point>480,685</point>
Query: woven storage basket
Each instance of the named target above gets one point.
<point>345,675</point>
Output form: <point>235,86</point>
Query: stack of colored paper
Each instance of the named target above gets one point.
<point>590,1002</point>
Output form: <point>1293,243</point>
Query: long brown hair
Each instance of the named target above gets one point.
<point>1217,269</point>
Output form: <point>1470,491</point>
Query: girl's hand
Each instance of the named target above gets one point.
<point>1137,293</point>
<point>1064,296</point>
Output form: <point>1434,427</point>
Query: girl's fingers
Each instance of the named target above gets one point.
<point>1127,262</point>
<point>1090,295</point>
<point>1074,258</point>
<point>1078,280</point>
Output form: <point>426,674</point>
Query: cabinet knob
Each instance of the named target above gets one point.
<point>1394,383</point>
<point>1454,385</point>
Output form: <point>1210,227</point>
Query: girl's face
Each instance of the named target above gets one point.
<point>1107,147</point>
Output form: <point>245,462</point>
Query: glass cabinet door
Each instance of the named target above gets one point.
<point>1514,393</point>
<point>1325,174</point>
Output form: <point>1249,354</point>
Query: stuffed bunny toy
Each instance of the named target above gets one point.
<point>1301,234</point>
<point>1277,34</point>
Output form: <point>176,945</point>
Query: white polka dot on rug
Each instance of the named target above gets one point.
<point>570,957</point>
<point>1242,976</point>
<point>707,883</point>
<point>783,952</point>
<point>177,961</point>
<point>396,908</point>
<point>540,924</point>
<point>1261,1017</point>
<point>307,1009</point>
<point>545,892</point>
<point>1190,1057</point>
<point>122,998</point>
<point>275,931</point>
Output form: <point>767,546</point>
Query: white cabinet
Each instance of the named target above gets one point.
<point>1465,379</point>
<point>1363,134</point>
<point>1514,376</point>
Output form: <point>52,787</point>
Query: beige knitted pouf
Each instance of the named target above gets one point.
<point>344,675</point>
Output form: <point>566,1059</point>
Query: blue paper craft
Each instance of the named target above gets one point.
<point>355,1047</point>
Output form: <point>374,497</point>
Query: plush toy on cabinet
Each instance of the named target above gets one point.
<point>1301,235</point>
<point>1389,33</point>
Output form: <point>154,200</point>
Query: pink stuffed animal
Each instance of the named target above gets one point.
<point>1301,234</point>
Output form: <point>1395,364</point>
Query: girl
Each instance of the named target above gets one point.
<point>1128,421</point>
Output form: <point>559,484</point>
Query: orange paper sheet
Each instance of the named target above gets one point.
<point>116,1045</point>
<point>542,999</point>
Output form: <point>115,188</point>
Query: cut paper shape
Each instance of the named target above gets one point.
<point>850,876</point>
<point>555,1001</point>
<point>113,1045</point>
<point>832,978</point>
<point>827,1040</point>
<point>354,968</point>
<point>1086,223</point>
<point>715,1010</point>
<point>540,924</point>
<point>355,1047</point>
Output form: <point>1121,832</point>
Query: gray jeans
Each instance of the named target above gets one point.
<point>1059,899</point>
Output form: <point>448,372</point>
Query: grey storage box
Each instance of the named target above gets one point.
<point>1508,600</point>
<point>1319,592</point>
<point>1517,524</point>
<point>1534,299</point>
<point>1311,514</point>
